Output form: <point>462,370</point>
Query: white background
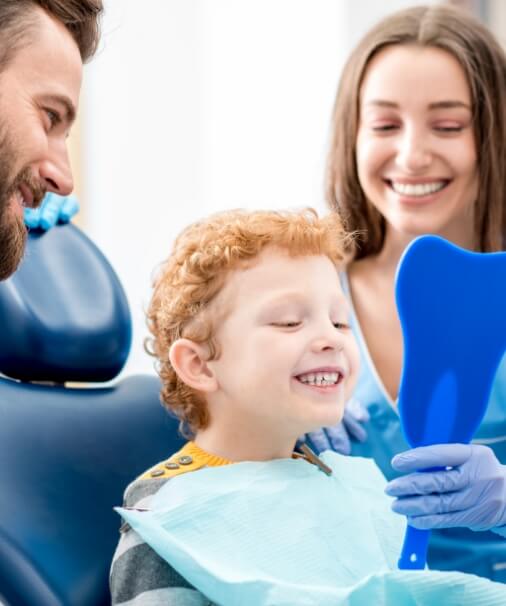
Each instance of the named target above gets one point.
<point>193,106</point>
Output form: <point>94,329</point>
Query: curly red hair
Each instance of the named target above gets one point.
<point>195,272</point>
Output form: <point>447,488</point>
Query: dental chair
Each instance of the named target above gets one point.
<point>67,452</point>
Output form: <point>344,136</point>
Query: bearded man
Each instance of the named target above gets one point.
<point>43,45</point>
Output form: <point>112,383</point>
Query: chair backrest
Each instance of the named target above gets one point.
<point>66,454</point>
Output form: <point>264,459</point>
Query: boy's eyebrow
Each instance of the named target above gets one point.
<point>282,298</point>
<point>296,297</point>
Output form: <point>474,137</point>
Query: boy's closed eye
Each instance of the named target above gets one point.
<point>295,323</point>
<point>286,323</point>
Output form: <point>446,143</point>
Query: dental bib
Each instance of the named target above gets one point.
<point>282,533</point>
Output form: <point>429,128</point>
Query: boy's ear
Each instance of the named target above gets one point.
<point>189,360</point>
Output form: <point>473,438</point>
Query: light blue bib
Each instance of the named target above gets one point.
<point>282,533</point>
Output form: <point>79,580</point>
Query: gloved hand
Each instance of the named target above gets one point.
<point>472,493</point>
<point>53,209</point>
<point>339,436</point>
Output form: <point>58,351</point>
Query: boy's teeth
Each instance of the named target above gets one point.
<point>320,378</point>
<point>417,189</point>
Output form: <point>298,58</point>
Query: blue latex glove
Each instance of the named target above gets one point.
<point>472,493</point>
<point>53,209</point>
<point>339,436</point>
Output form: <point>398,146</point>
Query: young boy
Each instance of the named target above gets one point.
<point>250,331</point>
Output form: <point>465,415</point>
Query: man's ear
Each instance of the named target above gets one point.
<point>189,360</point>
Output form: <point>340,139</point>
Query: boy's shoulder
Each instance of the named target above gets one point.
<point>187,459</point>
<point>139,492</point>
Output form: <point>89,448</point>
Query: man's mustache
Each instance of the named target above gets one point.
<point>25,180</point>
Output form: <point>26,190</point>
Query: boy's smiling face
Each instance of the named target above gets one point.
<point>288,359</point>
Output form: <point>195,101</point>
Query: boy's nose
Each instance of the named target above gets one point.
<point>328,340</point>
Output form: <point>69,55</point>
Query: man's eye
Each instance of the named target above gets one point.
<point>54,117</point>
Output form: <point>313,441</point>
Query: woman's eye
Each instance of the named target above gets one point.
<point>292,324</point>
<point>449,128</point>
<point>384,128</point>
<point>341,325</point>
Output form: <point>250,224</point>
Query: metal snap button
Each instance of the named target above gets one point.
<point>185,460</point>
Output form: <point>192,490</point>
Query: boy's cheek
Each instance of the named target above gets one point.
<point>351,381</point>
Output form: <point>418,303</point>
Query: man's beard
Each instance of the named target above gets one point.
<point>12,229</point>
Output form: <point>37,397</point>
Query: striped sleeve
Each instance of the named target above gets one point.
<point>139,576</point>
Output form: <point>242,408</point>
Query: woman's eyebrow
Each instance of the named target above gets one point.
<point>449,104</point>
<point>443,104</point>
<point>382,103</point>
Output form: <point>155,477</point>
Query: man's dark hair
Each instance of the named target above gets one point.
<point>18,20</point>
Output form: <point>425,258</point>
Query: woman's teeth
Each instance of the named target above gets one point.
<point>320,378</point>
<point>417,189</point>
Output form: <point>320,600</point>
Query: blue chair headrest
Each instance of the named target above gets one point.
<point>63,315</point>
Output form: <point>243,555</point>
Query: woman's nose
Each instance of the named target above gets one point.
<point>413,154</point>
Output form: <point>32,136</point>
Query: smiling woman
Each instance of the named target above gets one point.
<point>419,146</point>
<point>472,77</point>
<point>416,151</point>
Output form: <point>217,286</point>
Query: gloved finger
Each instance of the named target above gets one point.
<point>318,441</point>
<point>68,209</point>
<point>300,441</point>
<point>338,438</point>
<point>449,520</point>
<point>32,217</point>
<point>430,522</point>
<point>49,211</point>
<point>425,457</point>
<point>428,482</point>
<point>359,412</point>
<point>434,504</point>
<point>353,428</point>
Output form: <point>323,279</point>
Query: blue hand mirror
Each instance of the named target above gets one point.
<point>452,308</point>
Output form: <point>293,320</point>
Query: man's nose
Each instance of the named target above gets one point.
<point>413,153</point>
<point>56,172</point>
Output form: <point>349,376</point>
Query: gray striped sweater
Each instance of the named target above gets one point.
<point>139,577</point>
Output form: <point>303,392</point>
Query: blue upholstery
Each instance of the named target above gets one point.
<point>64,315</point>
<point>66,454</point>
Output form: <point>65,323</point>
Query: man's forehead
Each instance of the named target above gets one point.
<point>48,65</point>
<point>47,42</point>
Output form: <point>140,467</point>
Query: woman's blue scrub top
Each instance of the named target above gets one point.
<point>481,553</point>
